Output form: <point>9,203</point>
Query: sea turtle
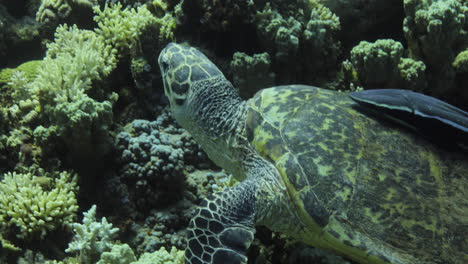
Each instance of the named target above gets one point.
<point>314,166</point>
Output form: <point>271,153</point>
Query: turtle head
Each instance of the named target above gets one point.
<point>181,68</point>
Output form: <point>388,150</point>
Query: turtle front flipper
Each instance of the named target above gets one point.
<point>441,122</point>
<point>223,227</point>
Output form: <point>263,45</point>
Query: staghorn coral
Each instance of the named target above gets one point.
<point>59,97</point>
<point>92,238</point>
<point>120,28</point>
<point>37,204</point>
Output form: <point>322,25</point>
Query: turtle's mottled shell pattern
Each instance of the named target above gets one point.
<point>360,181</point>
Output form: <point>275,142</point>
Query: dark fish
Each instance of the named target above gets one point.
<point>433,118</point>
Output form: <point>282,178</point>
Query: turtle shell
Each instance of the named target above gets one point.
<point>364,187</point>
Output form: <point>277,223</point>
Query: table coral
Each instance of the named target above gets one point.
<point>35,206</point>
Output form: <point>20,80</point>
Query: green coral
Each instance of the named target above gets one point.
<point>123,254</point>
<point>320,38</point>
<point>460,64</point>
<point>380,64</point>
<point>251,73</point>
<point>412,74</point>
<point>37,204</point>
<point>59,96</point>
<point>162,256</point>
<point>119,27</point>
<point>29,69</point>
<point>119,254</point>
<point>436,32</point>
<point>50,11</point>
<point>303,43</point>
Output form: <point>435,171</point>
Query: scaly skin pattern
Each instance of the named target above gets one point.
<point>366,188</point>
<point>317,167</point>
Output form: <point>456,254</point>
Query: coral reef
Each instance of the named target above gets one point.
<point>155,158</point>
<point>303,44</point>
<point>436,32</point>
<point>36,205</point>
<point>162,256</point>
<point>92,238</point>
<point>119,254</point>
<point>82,103</point>
<point>120,28</point>
<point>215,15</point>
<point>374,19</point>
<point>251,73</point>
<point>53,12</point>
<point>381,65</point>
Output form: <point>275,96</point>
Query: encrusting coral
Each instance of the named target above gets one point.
<point>36,205</point>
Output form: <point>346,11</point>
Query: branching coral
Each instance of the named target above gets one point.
<point>92,238</point>
<point>50,11</point>
<point>162,256</point>
<point>59,96</point>
<point>120,28</point>
<point>460,63</point>
<point>436,30</point>
<point>37,204</point>
<point>123,254</point>
<point>304,42</point>
<point>381,65</point>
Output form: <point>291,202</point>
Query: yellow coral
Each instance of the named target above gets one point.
<point>162,256</point>
<point>121,28</point>
<point>36,209</point>
<point>461,62</point>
